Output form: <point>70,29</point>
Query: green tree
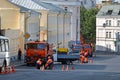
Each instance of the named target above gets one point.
<point>88,24</point>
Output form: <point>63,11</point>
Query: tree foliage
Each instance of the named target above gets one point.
<point>88,24</point>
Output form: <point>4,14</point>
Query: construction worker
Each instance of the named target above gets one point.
<point>50,51</point>
<point>39,64</point>
<point>49,63</point>
<point>82,57</point>
<point>86,56</point>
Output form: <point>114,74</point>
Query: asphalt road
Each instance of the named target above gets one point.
<point>104,67</point>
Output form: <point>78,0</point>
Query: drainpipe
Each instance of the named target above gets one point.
<point>40,14</point>
<point>64,22</point>
<point>0,26</point>
<point>58,29</point>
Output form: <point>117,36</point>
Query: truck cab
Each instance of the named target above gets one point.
<point>35,50</point>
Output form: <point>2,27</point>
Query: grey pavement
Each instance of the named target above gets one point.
<point>104,67</point>
<point>17,63</point>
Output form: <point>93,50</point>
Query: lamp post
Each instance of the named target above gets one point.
<point>64,22</point>
<point>0,26</point>
<point>104,25</point>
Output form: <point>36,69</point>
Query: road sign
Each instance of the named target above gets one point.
<point>27,35</point>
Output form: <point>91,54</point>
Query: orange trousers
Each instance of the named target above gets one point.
<point>82,59</point>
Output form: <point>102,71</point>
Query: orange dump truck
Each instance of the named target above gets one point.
<point>35,50</point>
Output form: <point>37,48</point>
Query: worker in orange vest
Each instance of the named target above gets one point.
<point>49,63</point>
<point>86,56</point>
<point>82,57</point>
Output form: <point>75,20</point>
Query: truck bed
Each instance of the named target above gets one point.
<point>68,56</point>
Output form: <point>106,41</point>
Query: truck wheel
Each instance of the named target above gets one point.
<point>28,64</point>
<point>63,62</point>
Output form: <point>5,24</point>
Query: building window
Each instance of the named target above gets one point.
<point>118,36</point>
<point>109,12</point>
<point>66,8</point>
<point>108,47</point>
<point>108,22</point>
<point>92,3</point>
<point>119,13</point>
<point>118,23</point>
<point>85,1</point>
<point>81,2</point>
<point>108,34</point>
<point>77,9</point>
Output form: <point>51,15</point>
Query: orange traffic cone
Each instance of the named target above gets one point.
<point>6,70</point>
<point>91,61</point>
<point>63,67</point>
<point>11,70</point>
<point>3,70</point>
<point>73,68</point>
<point>67,68</point>
<point>12,67</point>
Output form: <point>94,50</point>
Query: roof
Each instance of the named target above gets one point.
<point>49,6</point>
<point>37,5</point>
<point>109,10</point>
<point>28,4</point>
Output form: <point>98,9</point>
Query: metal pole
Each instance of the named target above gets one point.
<point>39,25</point>
<point>0,26</point>
<point>64,30</point>
<point>47,27</point>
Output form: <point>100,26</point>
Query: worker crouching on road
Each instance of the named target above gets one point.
<point>49,64</point>
<point>40,64</point>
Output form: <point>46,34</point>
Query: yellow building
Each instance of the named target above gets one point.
<point>10,25</point>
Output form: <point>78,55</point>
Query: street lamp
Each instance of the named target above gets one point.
<point>64,22</point>
<point>0,26</point>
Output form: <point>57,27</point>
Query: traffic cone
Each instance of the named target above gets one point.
<point>12,67</point>
<point>73,68</point>
<point>6,70</point>
<point>91,61</point>
<point>11,70</point>
<point>63,67</point>
<point>3,70</point>
<point>67,68</point>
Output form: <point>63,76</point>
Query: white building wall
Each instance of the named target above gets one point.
<point>33,27</point>
<point>73,6</point>
<point>59,29</point>
<point>103,43</point>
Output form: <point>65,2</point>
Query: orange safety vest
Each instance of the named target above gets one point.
<point>48,62</point>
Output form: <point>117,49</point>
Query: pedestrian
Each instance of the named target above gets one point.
<point>19,54</point>
<point>5,63</point>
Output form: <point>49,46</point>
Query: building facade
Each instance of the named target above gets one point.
<point>10,25</point>
<point>108,29</point>
<point>73,6</point>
